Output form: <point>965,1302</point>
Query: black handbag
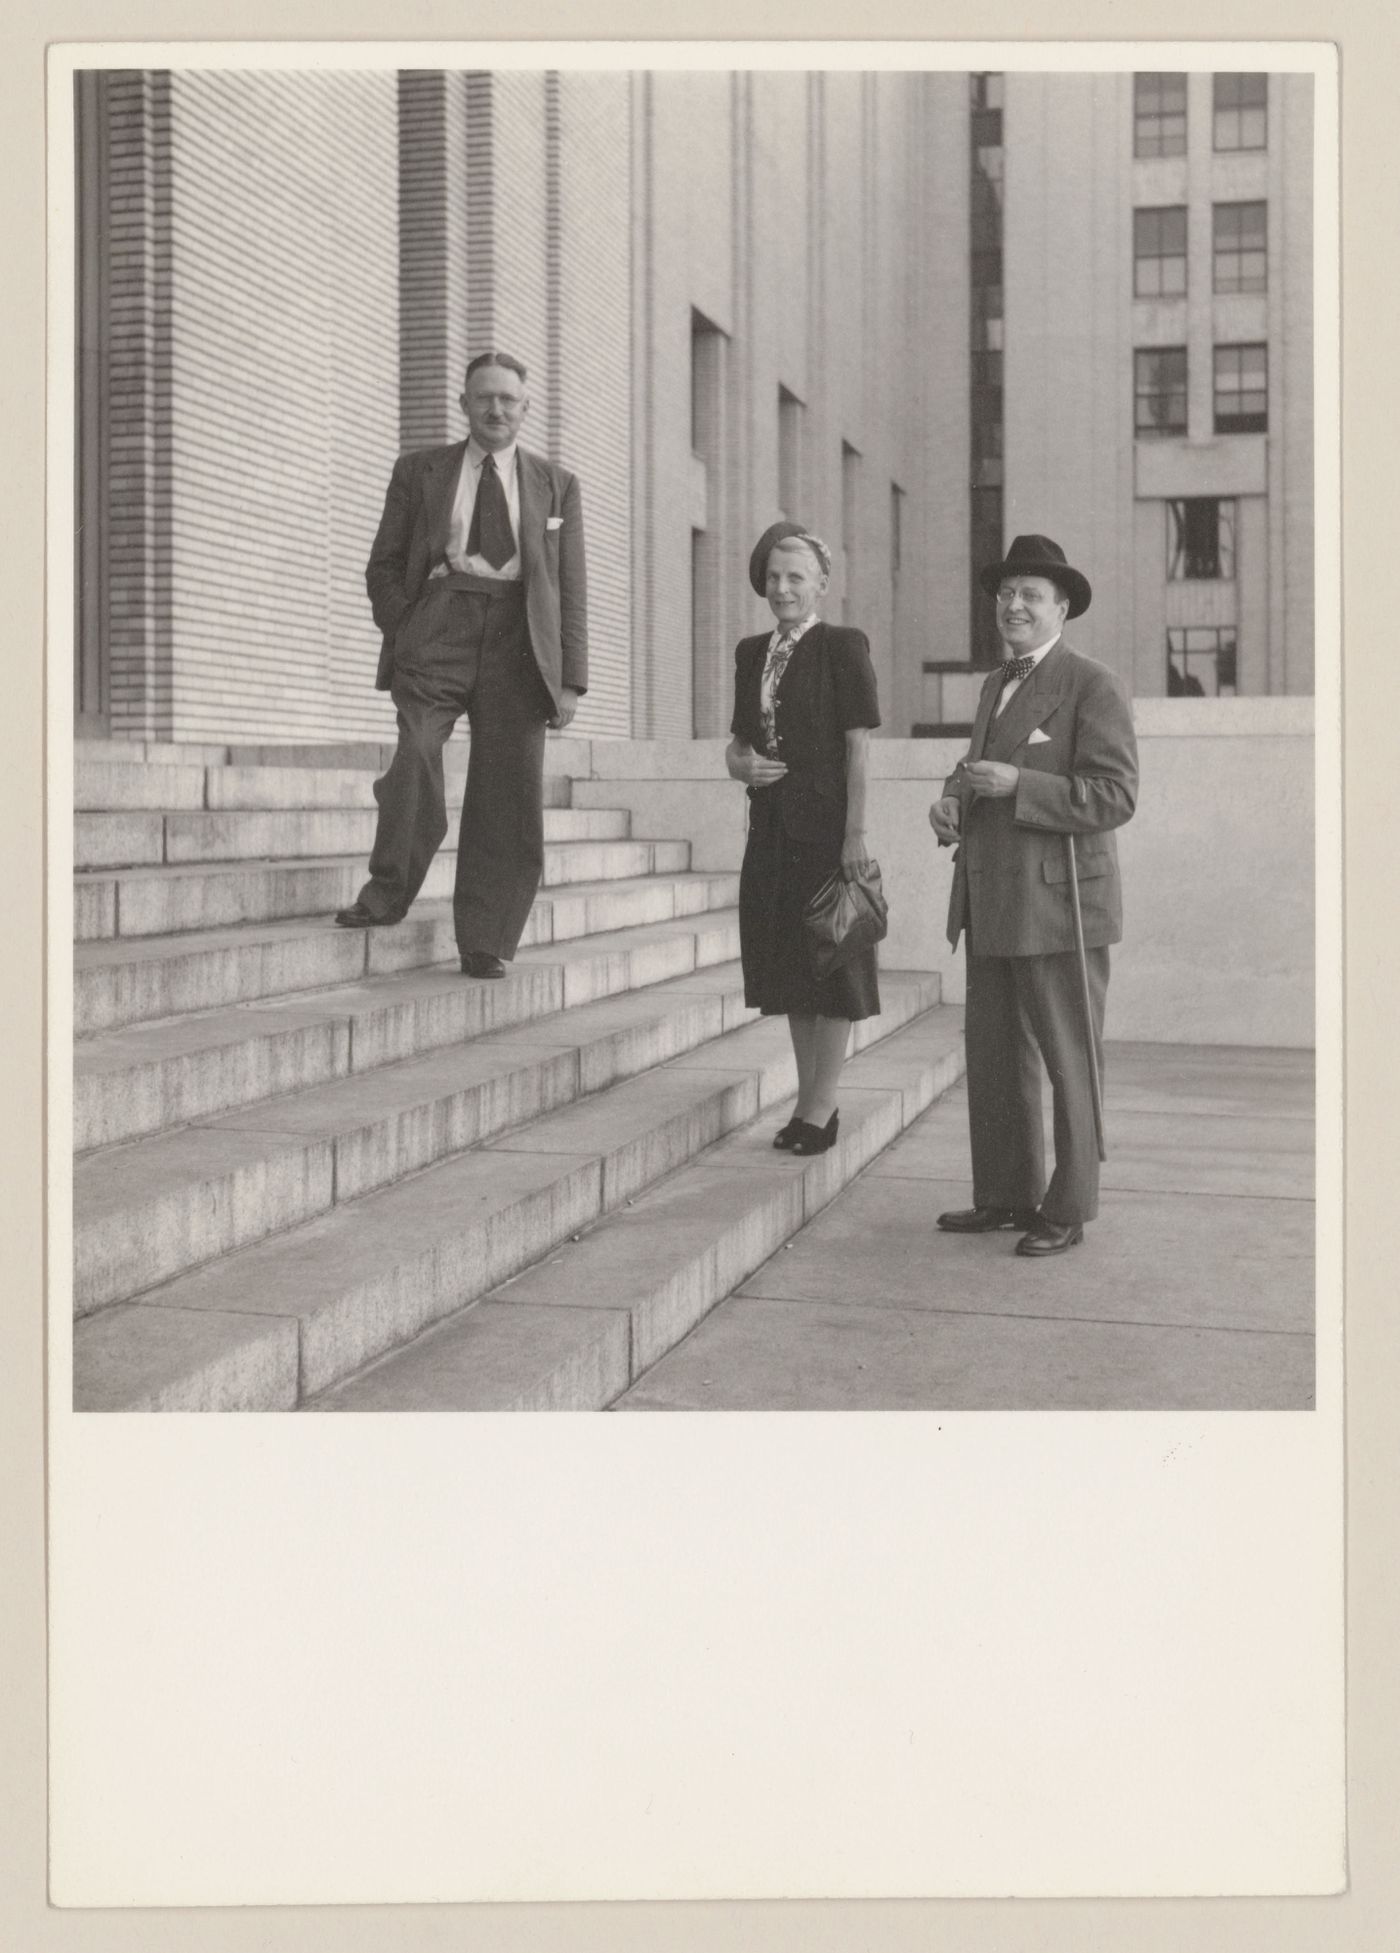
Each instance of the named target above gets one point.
<point>843,918</point>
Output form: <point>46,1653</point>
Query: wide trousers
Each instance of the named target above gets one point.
<point>465,647</point>
<point>1021,1009</point>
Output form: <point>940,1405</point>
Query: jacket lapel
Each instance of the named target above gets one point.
<point>534,488</point>
<point>1032,702</point>
<point>439,492</point>
<point>991,692</point>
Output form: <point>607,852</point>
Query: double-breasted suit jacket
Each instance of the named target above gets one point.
<point>1078,776</point>
<point>412,538</point>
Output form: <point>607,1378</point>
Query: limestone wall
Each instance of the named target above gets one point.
<point>1218,863</point>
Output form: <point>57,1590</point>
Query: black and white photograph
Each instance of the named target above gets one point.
<point>693,713</point>
<point>643,645</point>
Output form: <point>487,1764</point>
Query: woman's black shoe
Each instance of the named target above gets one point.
<point>814,1139</point>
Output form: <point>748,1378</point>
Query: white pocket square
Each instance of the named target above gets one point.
<point>1037,738</point>
<point>554,522</point>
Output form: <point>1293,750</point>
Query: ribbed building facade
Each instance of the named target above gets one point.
<point>921,312</point>
<point>735,294</point>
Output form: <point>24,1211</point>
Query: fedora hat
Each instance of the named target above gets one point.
<point>778,532</point>
<point>1038,556</point>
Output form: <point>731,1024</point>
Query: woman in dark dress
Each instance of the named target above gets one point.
<point>804,704</point>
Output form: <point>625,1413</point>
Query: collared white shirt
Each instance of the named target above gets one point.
<point>775,663</point>
<point>1013,685</point>
<point>464,501</point>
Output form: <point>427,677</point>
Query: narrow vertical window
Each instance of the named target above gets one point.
<point>1241,389</point>
<point>1241,111</point>
<point>1201,540</point>
<point>1159,390</point>
<point>1241,247</point>
<point>1159,252</point>
<point>1159,115</point>
<point>789,454</point>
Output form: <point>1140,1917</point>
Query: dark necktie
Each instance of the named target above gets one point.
<point>489,535</point>
<point>1017,668</point>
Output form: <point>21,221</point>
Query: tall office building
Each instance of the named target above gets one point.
<point>1158,404</point>
<point>1140,370</point>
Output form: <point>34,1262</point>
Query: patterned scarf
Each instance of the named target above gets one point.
<point>780,650</point>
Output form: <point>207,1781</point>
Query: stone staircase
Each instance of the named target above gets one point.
<point>318,1169</point>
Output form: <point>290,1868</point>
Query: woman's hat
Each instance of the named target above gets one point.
<point>768,541</point>
<point>1038,556</point>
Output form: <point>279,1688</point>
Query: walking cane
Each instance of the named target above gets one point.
<point>1094,1086</point>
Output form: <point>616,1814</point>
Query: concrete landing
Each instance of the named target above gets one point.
<point>1194,1290</point>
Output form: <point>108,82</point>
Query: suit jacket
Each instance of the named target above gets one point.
<point>828,686</point>
<point>1010,874</point>
<point>412,538</point>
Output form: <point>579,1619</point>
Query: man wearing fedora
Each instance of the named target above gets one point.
<point>476,579</point>
<point>1052,755</point>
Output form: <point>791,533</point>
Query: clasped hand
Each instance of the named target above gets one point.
<point>992,779</point>
<point>856,860</point>
<point>988,780</point>
<point>756,769</point>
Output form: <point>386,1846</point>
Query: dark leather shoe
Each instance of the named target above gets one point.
<point>481,963</point>
<point>814,1139</point>
<point>1050,1237</point>
<point>357,916</point>
<point>986,1220</point>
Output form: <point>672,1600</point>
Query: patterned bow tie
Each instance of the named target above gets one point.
<point>1017,668</point>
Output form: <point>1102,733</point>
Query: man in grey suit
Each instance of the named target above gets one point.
<point>477,581</point>
<point>1053,754</point>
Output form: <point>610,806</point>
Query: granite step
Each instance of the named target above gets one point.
<point>149,1077</point>
<point>129,980</point>
<point>150,838</point>
<point>174,899</point>
<point>125,786</point>
<point>563,753</point>
<point>149,1209</point>
<point>580,1327</point>
<point>274,1323</point>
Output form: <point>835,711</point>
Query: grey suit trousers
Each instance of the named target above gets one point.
<point>1020,1009</point>
<point>465,647</point>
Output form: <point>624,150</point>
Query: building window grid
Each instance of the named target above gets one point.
<point>1159,391</point>
<point>1202,661</point>
<point>986,507</point>
<point>789,452</point>
<point>1201,540</point>
<point>1159,252</point>
<point>1242,389</point>
<point>1241,247</point>
<point>1159,115</point>
<point>1241,108</point>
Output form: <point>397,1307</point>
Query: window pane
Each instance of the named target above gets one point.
<point>1241,390</point>
<point>1241,254</point>
<point>1201,662</point>
<point>1159,115</point>
<point>1159,252</point>
<point>1159,391</point>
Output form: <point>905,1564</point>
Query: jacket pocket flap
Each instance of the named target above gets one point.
<point>1055,868</point>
